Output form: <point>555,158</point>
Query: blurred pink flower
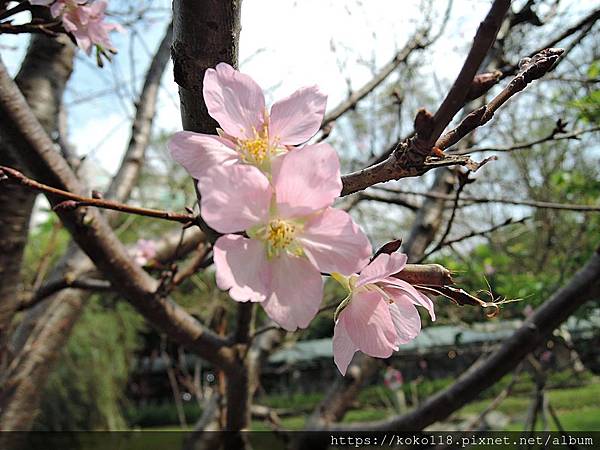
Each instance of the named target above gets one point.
<point>379,313</point>
<point>293,233</point>
<point>144,251</point>
<point>85,20</point>
<point>248,134</point>
<point>392,378</point>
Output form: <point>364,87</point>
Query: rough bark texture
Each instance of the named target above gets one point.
<point>206,32</point>
<point>218,23</point>
<point>42,79</point>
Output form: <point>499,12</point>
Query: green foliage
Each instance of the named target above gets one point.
<point>86,391</point>
<point>588,107</point>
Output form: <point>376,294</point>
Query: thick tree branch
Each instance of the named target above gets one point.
<point>42,78</point>
<point>95,237</point>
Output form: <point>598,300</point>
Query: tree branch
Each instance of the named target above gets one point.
<point>472,200</point>
<point>76,201</point>
<point>555,135</point>
<point>96,239</point>
<point>457,96</point>
<point>536,68</point>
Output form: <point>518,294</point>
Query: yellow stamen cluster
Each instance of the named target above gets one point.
<point>280,234</point>
<point>256,150</point>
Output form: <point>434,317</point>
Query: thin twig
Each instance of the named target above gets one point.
<point>463,180</point>
<point>74,201</point>
<point>473,200</point>
<point>64,283</point>
<point>553,136</point>
<point>473,234</point>
<point>22,6</point>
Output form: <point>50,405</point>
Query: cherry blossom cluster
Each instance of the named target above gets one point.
<point>271,195</point>
<point>85,21</point>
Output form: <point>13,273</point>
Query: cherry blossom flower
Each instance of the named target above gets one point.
<point>379,313</point>
<point>248,134</point>
<point>143,251</point>
<point>292,232</point>
<point>85,21</point>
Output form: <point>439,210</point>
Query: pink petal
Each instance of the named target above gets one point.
<point>235,198</point>
<point>334,243</point>
<point>83,41</point>
<point>369,324</point>
<point>297,118</point>
<point>242,268</point>
<point>197,153</point>
<point>234,100</point>
<point>343,347</point>
<point>396,287</point>
<point>307,180</point>
<point>406,319</point>
<point>382,267</point>
<point>296,292</point>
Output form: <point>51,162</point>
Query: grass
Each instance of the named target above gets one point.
<point>577,409</point>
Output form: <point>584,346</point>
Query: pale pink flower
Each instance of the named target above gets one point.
<point>84,20</point>
<point>144,251</point>
<point>248,134</point>
<point>393,379</point>
<point>292,232</point>
<point>379,313</point>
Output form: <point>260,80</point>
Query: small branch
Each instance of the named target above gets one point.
<point>536,68</point>
<point>463,180</point>
<point>473,234</point>
<point>75,201</point>
<point>51,288</point>
<point>583,23</point>
<point>48,28</point>
<point>457,96</point>
<point>193,266</point>
<point>553,136</point>
<point>22,6</point>
<point>392,201</point>
<point>472,200</point>
<point>395,168</point>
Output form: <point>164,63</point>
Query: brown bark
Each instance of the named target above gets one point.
<point>219,25</point>
<point>42,78</point>
<point>206,32</point>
